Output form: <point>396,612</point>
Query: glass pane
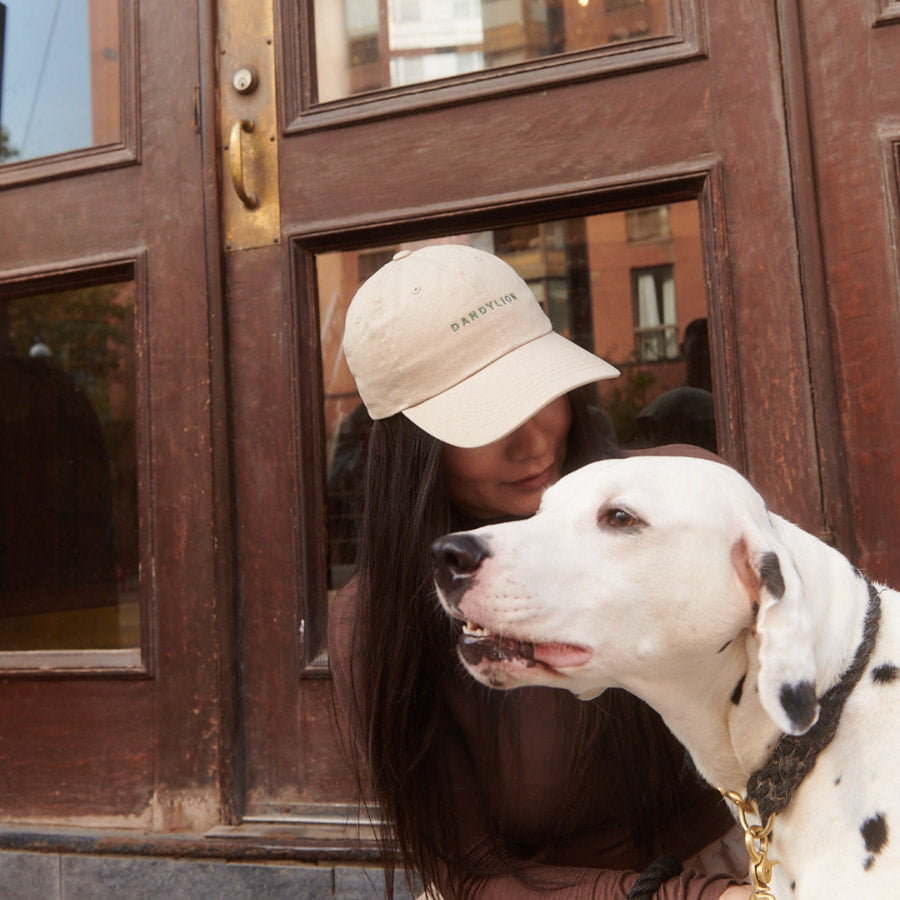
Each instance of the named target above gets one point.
<point>633,295</point>
<point>59,76</point>
<point>68,473</point>
<point>365,45</point>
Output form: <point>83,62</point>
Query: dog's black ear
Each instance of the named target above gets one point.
<point>784,629</point>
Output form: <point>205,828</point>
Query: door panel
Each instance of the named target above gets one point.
<point>132,742</point>
<point>851,51</point>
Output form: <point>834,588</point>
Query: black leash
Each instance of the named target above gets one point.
<point>654,876</point>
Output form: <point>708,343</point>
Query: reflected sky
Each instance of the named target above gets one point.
<point>45,105</point>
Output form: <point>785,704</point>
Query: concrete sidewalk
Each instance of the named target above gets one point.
<point>55,876</point>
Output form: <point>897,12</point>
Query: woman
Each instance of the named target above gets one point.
<point>478,406</point>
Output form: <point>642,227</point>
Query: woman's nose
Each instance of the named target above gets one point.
<point>528,441</point>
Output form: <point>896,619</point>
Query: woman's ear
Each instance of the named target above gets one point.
<point>784,630</point>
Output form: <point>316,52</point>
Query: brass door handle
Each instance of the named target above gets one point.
<point>236,163</point>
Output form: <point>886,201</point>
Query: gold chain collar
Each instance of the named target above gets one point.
<point>756,840</point>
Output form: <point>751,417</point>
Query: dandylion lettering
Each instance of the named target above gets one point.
<point>489,306</point>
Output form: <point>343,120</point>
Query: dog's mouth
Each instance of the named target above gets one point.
<point>478,645</point>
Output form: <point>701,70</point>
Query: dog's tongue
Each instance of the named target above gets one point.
<point>477,648</point>
<point>558,656</point>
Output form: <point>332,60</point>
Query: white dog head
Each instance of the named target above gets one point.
<point>632,571</point>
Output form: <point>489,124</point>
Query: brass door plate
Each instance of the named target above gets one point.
<point>247,95</point>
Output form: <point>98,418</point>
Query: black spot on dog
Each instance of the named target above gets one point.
<point>723,647</point>
<point>799,702</point>
<point>837,781</point>
<point>770,575</point>
<point>874,833</point>
<point>885,674</point>
<point>738,691</point>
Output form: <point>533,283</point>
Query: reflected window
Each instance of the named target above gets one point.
<point>650,224</point>
<point>366,45</point>
<point>655,316</point>
<point>592,279</point>
<point>59,76</point>
<point>68,483</point>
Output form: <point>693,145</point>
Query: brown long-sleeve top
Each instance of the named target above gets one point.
<point>599,860</point>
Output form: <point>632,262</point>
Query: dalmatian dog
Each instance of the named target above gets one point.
<point>769,656</point>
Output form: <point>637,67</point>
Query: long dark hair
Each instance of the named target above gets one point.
<point>403,651</point>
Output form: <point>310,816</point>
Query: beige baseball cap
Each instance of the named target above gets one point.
<point>454,339</point>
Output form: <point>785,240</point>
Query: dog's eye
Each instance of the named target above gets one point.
<point>619,518</point>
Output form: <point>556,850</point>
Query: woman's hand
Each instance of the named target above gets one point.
<point>737,893</point>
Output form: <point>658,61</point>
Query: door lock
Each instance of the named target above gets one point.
<point>245,80</point>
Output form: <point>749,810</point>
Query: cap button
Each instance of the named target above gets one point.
<point>402,254</point>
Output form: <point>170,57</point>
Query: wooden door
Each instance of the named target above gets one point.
<point>691,111</point>
<point>110,691</point>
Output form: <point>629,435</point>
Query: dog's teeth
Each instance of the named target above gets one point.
<point>474,630</point>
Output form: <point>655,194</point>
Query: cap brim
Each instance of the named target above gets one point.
<point>497,399</point>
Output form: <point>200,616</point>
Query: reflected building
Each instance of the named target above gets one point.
<point>389,43</point>
<point>103,22</point>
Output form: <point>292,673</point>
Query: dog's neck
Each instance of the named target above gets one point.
<point>703,725</point>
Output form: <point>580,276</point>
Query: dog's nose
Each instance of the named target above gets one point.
<point>459,554</point>
<point>456,558</point>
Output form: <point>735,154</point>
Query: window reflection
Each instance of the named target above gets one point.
<point>655,317</point>
<point>59,76</point>
<point>627,285</point>
<point>365,45</point>
<point>68,483</point>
